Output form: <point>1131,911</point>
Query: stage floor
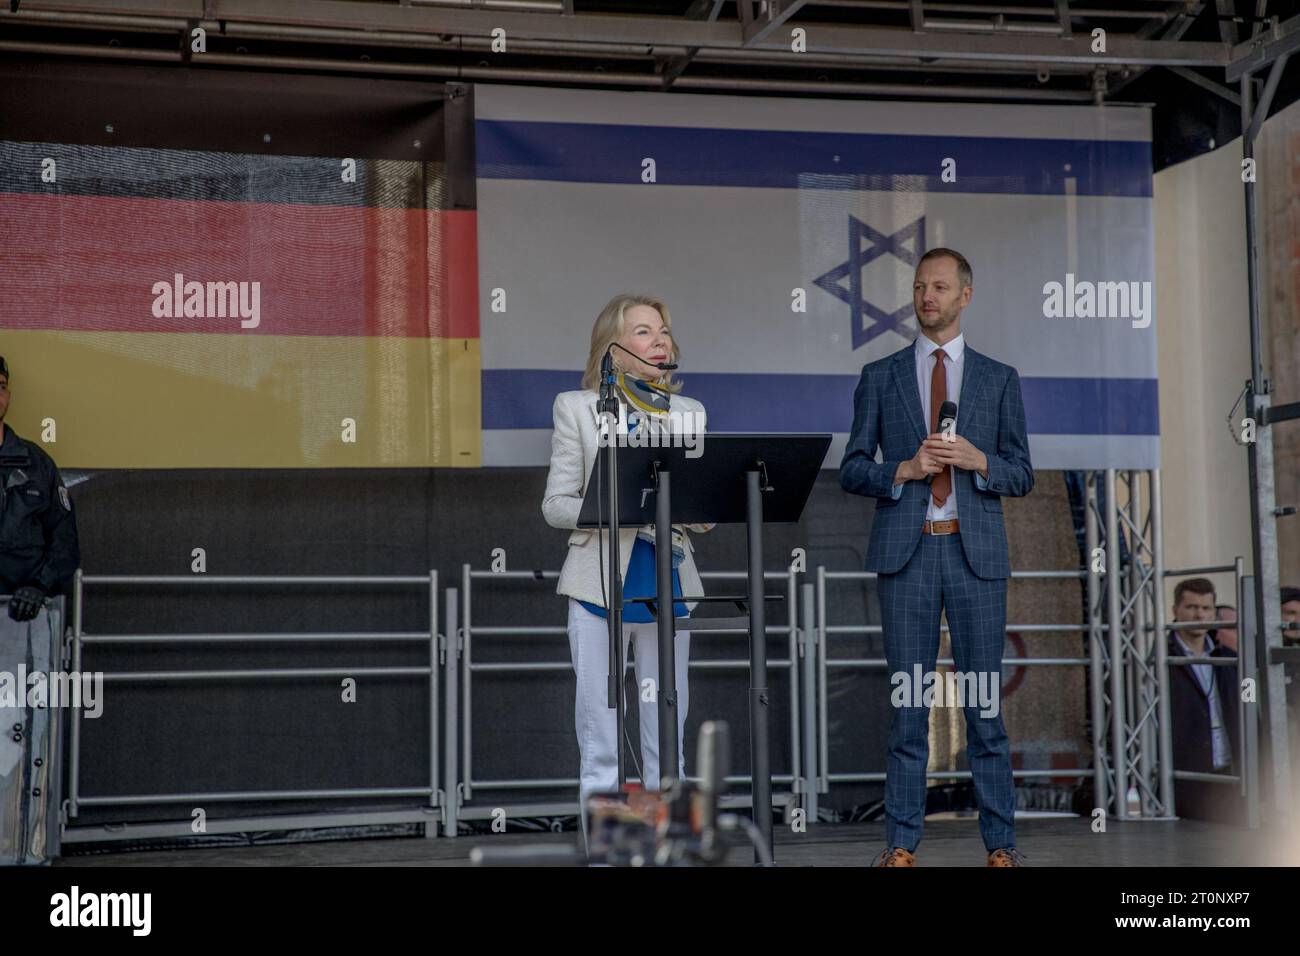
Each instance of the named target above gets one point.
<point>1043,842</point>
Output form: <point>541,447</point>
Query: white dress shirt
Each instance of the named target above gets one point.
<point>954,363</point>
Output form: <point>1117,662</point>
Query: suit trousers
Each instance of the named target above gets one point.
<point>595,721</point>
<point>937,579</point>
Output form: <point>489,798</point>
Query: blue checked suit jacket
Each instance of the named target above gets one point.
<point>887,415</point>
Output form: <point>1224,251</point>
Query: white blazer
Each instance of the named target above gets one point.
<point>573,454</point>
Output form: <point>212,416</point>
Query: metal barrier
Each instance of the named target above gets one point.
<point>428,816</point>
<point>451,784</point>
<point>1130,693</point>
<point>824,663</point>
<point>1248,737</point>
<point>462,785</point>
<point>1140,747</point>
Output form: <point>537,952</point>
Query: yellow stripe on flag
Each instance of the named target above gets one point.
<point>183,400</point>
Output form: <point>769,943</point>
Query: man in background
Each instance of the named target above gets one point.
<point>1204,702</point>
<point>1291,614</point>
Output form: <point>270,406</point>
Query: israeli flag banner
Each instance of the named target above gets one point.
<point>783,236</point>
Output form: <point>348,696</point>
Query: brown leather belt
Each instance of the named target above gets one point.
<point>940,527</point>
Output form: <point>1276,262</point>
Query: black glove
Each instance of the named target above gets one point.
<point>26,602</point>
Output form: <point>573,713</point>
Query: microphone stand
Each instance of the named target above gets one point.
<point>608,407</point>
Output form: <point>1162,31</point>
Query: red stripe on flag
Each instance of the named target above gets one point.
<point>90,263</point>
<point>459,298</point>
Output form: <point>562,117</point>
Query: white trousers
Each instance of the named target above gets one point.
<point>595,721</point>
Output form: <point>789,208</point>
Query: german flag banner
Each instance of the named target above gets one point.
<point>212,269</point>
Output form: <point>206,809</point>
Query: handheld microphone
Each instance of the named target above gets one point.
<point>947,420</point>
<point>947,416</point>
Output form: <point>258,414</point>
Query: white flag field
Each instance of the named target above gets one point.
<point>783,234</point>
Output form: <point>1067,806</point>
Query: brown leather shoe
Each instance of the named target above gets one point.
<point>1008,856</point>
<point>895,856</point>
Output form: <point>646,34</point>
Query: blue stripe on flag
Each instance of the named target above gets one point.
<point>737,402</point>
<point>690,156</point>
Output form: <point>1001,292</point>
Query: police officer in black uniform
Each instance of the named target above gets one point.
<point>38,531</point>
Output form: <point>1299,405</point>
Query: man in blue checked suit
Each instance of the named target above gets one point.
<point>938,544</point>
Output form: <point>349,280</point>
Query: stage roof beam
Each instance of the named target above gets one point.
<point>865,41</point>
<point>1263,48</point>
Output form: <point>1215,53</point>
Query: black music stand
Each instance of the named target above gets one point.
<point>724,478</point>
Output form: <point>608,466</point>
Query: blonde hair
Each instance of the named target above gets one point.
<point>609,328</point>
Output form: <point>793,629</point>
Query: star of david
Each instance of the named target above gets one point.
<point>877,244</point>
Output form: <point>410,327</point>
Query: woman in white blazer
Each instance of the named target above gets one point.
<point>651,400</point>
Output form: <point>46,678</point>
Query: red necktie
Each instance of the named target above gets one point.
<point>942,483</point>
